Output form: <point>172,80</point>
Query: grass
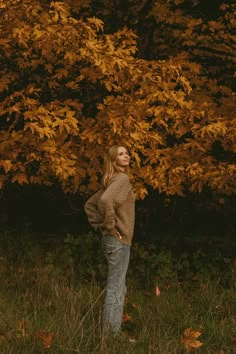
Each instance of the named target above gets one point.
<point>50,305</point>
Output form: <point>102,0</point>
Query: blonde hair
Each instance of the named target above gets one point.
<point>110,167</point>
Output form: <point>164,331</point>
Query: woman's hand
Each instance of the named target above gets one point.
<point>118,235</point>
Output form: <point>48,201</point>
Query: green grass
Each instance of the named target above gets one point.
<point>58,288</point>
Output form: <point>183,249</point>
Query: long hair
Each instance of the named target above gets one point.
<point>110,167</point>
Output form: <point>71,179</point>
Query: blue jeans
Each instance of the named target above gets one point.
<point>117,255</point>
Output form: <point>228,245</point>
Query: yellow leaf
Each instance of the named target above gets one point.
<point>61,72</point>
<point>6,164</point>
<point>189,339</point>
<point>20,178</point>
<point>136,158</point>
<point>141,193</point>
<point>61,10</point>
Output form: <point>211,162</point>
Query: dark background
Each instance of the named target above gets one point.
<point>50,211</point>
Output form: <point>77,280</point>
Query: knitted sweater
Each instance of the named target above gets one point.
<point>111,209</point>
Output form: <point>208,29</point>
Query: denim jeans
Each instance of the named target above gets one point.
<point>117,255</point>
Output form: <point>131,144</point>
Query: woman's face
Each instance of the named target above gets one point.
<point>122,158</point>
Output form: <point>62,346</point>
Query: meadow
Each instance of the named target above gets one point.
<point>52,290</point>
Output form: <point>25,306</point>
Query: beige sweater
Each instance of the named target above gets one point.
<point>112,209</point>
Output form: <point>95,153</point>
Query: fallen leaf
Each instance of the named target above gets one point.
<point>23,329</point>
<point>46,338</point>
<point>189,339</point>
<point>126,317</point>
<point>158,293</point>
<point>2,339</point>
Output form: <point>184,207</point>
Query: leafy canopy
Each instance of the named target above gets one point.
<point>69,90</point>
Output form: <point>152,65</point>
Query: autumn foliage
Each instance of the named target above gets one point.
<point>69,90</point>
<point>190,339</point>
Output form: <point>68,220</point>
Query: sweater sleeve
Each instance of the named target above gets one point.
<point>114,196</point>
<point>91,209</point>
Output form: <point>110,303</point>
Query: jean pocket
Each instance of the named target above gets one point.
<point>110,244</point>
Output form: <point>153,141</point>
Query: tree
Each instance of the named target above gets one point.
<point>69,90</point>
<point>198,36</point>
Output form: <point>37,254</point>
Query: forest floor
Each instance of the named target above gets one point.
<point>52,292</point>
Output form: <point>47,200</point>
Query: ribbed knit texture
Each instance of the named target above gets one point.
<point>113,209</point>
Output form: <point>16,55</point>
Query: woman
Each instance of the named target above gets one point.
<point>111,210</point>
